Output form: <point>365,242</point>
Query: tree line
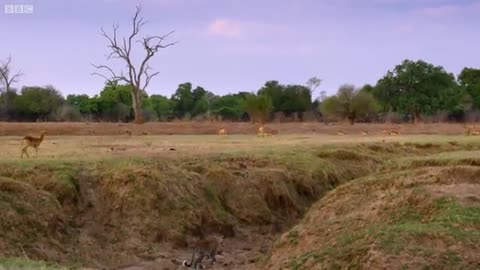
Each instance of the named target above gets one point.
<point>114,103</point>
<point>411,91</point>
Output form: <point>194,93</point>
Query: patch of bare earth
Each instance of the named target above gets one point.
<point>466,194</point>
<point>244,251</point>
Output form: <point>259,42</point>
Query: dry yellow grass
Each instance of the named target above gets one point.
<point>204,128</point>
<point>99,147</point>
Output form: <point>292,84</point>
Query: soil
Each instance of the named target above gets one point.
<point>243,252</point>
<point>467,194</point>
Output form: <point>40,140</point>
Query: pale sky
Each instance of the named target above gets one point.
<point>237,45</point>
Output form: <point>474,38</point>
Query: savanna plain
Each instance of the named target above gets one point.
<point>126,196</point>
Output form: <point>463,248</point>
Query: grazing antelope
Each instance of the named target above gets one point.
<point>392,132</point>
<point>261,132</point>
<point>364,132</point>
<point>29,141</point>
<point>474,132</point>
<point>471,130</point>
<point>341,133</point>
<point>222,131</point>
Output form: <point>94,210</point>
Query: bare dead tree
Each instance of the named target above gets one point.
<point>312,84</point>
<point>8,78</point>
<point>137,76</point>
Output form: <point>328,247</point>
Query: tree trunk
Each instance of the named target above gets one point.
<point>388,119</point>
<point>5,100</point>
<point>416,117</point>
<point>5,95</point>
<point>351,118</point>
<point>137,105</point>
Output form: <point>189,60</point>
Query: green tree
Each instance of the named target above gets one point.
<point>469,80</point>
<point>274,90</point>
<point>201,101</point>
<point>386,92</point>
<point>36,103</point>
<point>7,104</point>
<point>367,88</point>
<point>228,107</point>
<point>455,100</point>
<point>349,103</point>
<point>83,103</point>
<point>258,107</point>
<point>415,88</point>
<point>183,100</point>
<point>288,99</point>
<point>295,98</point>
<point>115,102</point>
<point>162,106</point>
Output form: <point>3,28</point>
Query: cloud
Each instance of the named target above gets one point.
<point>225,28</point>
<point>229,28</point>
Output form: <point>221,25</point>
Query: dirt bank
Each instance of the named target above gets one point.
<point>122,211</point>
<point>421,218</point>
<point>141,213</point>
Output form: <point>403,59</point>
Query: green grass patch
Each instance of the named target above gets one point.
<point>450,223</point>
<point>20,263</point>
<point>293,237</point>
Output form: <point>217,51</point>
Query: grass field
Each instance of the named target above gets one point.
<point>210,128</point>
<point>304,200</point>
<point>101,147</point>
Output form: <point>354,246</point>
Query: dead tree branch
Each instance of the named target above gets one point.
<point>138,76</point>
<point>8,77</point>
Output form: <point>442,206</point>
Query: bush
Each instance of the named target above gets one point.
<point>150,115</point>
<point>392,117</point>
<point>65,113</point>
<point>258,107</point>
<point>436,118</point>
<point>350,103</point>
<point>472,116</point>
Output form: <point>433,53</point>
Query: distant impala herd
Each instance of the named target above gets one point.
<point>34,142</point>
